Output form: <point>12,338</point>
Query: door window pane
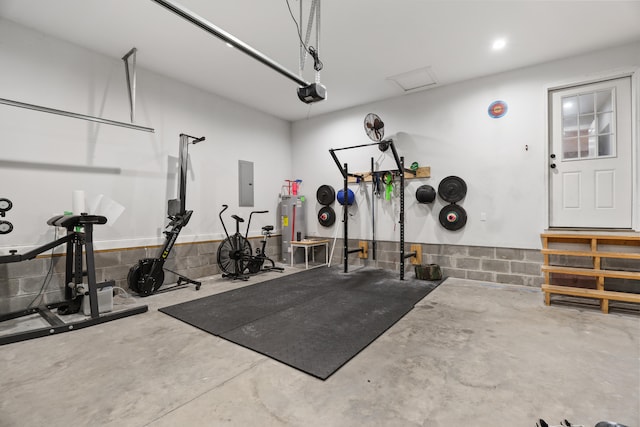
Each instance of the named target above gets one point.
<point>593,147</point>
<point>605,145</point>
<point>588,125</point>
<point>570,126</point>
<point>569,148</point>
<point>570,106</point>
<point>586,103</point>
<point>584,147</point>
<point>603,101</point>
<point>604,123</point>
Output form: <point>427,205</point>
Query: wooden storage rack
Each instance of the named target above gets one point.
<point>421,172</point>
<point>595,242</point>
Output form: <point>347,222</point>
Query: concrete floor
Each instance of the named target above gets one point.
<point>469,354</point>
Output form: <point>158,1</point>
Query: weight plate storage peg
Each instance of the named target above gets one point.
<point>326,216</point>
<point>453,217</point>
<point>452,189</point>
<point>325,195</point>
<point>5,205</point>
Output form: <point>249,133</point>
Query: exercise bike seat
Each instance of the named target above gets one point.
<point>268,228</point>
<point>237,218</point>
<point>70,221</point>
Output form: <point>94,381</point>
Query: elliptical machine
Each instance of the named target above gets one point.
<point>235,256</point>
<point>147,275</point>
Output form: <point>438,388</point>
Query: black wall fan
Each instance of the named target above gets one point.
<point>374,126</point>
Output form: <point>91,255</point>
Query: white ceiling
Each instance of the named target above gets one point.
<point>363,42</point>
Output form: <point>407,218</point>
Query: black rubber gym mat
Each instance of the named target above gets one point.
<point>315,320</point>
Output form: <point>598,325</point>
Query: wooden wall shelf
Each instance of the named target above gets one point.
<point>422,172</point>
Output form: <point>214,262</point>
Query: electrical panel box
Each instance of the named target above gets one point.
<point>245,183</point>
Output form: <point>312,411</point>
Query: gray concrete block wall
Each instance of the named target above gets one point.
<point>613,284</point>
<point>503,265</point>
<point>20,283</point>
<point>621,285</point>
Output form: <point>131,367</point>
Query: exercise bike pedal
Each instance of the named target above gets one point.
<point>235,276</point>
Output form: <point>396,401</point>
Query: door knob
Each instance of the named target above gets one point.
<point>553,156</point>
<point>553,165</point>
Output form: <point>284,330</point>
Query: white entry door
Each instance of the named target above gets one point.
<point>590,155</point>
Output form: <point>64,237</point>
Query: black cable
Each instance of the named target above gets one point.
<point>47,277</point>
<point>317,64</point>
<point>297,26</point>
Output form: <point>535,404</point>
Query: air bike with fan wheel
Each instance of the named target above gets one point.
<point>235,256</point>
<point>147,276</point>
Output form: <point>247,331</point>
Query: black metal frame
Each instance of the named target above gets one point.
<point>76,241</point>
<point>210,28</point>
<point>400,171</point>
<point>179,217</point>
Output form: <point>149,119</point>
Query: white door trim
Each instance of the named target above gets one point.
<point>632,72</point>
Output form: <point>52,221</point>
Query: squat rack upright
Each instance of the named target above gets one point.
<point>400,171</point>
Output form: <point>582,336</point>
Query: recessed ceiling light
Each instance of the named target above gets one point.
<point>499,44</point>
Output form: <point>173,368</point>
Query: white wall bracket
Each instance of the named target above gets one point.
<point>131,80</point>
<point>73,115</point>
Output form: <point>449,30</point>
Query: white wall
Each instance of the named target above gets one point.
<point>45,157</point>
<point>448,128</point>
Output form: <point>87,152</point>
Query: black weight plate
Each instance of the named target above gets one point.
<point>5,205</point>
<point>326,195</point>
<point>326,216</point>
<point>5,227</point>
<point>453,217</point>
<point>452,189</point>
<point>425,194</point>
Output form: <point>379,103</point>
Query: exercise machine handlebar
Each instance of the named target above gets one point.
<point>67,221</point>
<point>224,208</point>
<point>246,234</point>
<point>195,138</point>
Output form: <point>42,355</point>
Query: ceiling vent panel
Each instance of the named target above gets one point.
<point>421,78</point>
